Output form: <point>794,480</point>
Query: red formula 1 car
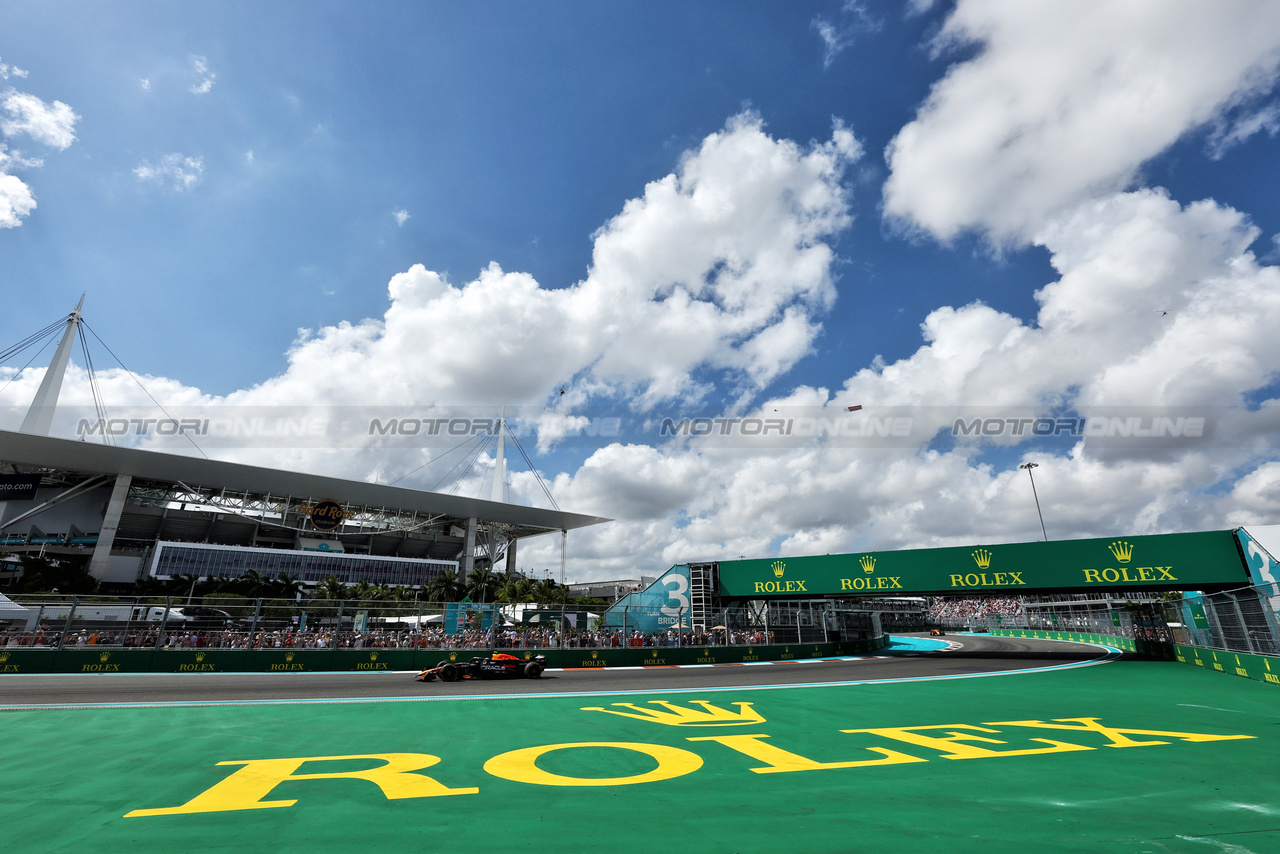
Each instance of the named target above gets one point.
<point>500,665</point>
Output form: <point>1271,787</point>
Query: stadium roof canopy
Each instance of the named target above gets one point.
<point>66,457</point>
<point>224,502</point>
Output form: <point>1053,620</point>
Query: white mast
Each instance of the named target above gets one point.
<point>499,466</point>
<point>39,418</point>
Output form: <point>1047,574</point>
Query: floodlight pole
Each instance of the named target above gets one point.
<point>1029,467</point>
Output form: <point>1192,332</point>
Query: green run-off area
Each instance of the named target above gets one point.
<point>1039,762</point>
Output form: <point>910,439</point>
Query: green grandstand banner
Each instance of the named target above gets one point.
<point>1206,560</point>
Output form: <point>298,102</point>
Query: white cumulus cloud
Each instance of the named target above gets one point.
<point>203,76</point>
<point>1066,101</point>
<point>1099,339</point>
<point>722,265</point>
<point>175,170</point>
<point>16,201</point>
<point>7,71</point>
<point>52,124</point>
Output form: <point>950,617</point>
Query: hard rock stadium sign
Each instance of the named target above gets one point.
<point>1208,560</point>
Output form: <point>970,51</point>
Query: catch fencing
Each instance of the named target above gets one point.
<point>1246,620</point>
<point>280,634</point>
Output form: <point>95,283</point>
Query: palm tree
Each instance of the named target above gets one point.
<point>548,592</point>
<point>363,591</point>
<point>443,587</point>
<point>515,588</point>
<point>401,593</point>
<point>481,584</point>
<point>252,584</point>
<point>285,587</point>
<point>330,588</point>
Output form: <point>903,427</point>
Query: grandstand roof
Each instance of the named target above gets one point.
<point>33,452</point>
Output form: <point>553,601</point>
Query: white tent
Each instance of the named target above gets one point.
<point>10,611</point>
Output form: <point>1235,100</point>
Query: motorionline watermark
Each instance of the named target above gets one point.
<point>239,427</point>
<point>608,427</point>
<point>332,426</point>
<point>1093,426</point>
<point>597,426</point>
<point>803,427</point>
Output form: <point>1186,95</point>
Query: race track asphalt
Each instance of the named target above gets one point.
<point>971,655</point>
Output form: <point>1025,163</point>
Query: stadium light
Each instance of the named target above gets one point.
<point>1029,467</point>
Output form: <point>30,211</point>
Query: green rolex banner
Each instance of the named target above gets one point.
<point>1198,619</point>
<point>1206,560</point>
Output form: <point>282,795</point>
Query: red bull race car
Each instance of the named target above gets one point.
<point>500,665</point>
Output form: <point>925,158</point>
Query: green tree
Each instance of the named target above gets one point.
<point>548,592</point>
<point>284,587</point>
<point>253,585</point>
<point>331,587</point>
<point>443,587</point>
<point>481,584</point>
<point>515,588</point>
<point>363,591</point>
<point>45,575</point>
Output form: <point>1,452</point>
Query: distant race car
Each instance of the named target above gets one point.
<point>500,665</point>
<point>936,632</point>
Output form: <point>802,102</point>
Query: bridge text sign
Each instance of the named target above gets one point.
<point>1205,560</point>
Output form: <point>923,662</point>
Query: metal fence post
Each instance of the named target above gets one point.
<point>66,627</point>
<point>164,621</point>
<point>253,627</point>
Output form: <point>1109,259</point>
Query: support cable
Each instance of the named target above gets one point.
<point>50,332</point>
<point>33,338</point>
<point>433,460</point>
<point>470,463</point>
<point>98,405</point>
<point>533,469</point>
<point>186,435</point>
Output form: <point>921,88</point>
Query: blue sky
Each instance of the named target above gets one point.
<point>240,171</point>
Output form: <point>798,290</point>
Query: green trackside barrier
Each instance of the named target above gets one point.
<point>1153,650</point>
<point>84,659</point>
<point>373,659</point>
<point>285,660</point>
<point>200,661</point>
<point>116,660</point>
<point>1263,668</point>
<point>20,660</point>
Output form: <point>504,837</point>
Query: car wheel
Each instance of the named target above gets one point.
<point>448,673</point>
<point>533,670</point>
